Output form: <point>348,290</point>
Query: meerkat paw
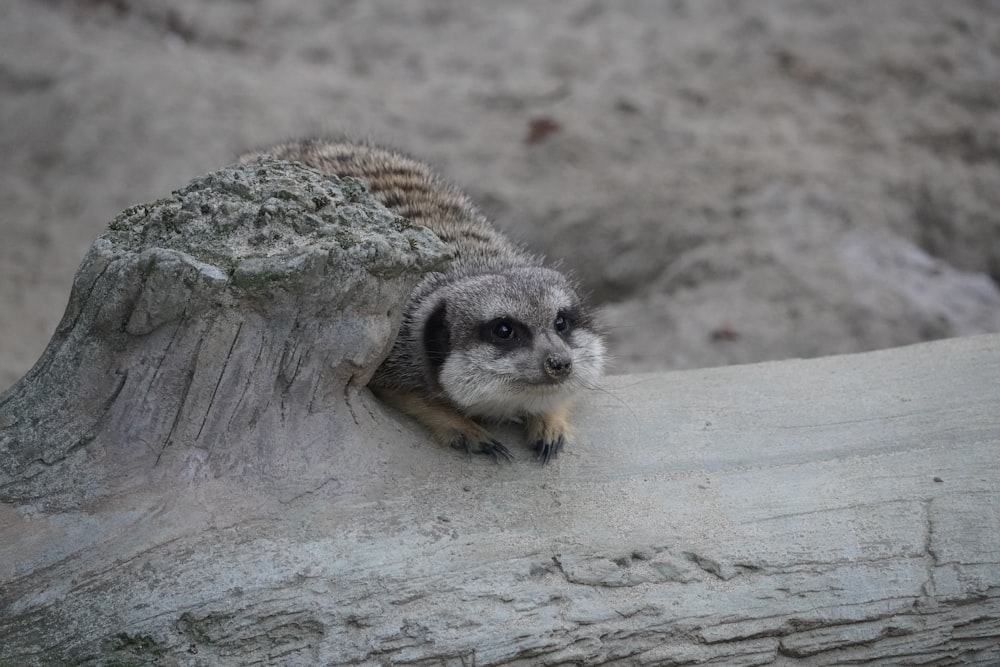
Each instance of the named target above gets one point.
<point>548,432</point>
<point>447,425</point>
<point>487,445</point>
<point>457,430</point>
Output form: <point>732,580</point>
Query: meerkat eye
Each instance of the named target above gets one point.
<point>502,330</point>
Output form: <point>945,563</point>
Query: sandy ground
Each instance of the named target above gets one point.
<point>732,181</point>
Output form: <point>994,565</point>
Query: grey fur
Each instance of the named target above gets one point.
<point>457,366</point>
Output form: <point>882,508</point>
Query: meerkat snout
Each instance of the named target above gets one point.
<point>557,366</point>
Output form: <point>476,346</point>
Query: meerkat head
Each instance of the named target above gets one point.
<point>510,343</point>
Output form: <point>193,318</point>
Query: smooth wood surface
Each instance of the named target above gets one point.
<point>843,510</point>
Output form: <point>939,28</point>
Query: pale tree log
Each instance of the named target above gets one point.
<point>193,474</point>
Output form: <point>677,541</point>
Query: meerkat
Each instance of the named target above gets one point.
<point>494,336</point>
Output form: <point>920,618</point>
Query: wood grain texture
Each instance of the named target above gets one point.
<point>843,510</point>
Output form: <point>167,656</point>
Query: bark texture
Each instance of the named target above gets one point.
<point>212,333</point>
<point>193,475</point>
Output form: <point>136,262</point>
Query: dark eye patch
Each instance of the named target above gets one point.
<point>505,333</point>
<point>436,339</point>
<point>502,330</point>
<point>568,320</point>
<point>563,323</point>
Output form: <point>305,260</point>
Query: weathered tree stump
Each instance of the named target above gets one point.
<point>213,334</point>
<point>193,474</point>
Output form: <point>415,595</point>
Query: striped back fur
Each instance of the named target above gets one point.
<point>409,188</point>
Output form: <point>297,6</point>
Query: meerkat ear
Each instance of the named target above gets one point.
<point>437,340</point>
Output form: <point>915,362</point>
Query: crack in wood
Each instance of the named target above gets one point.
<point>190,372</point>
<point>218,382</point>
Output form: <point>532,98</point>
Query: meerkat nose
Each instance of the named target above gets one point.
<point>557,366</point>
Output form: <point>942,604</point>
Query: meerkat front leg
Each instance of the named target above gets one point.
<point>447,425</point>
<point>548,432</point>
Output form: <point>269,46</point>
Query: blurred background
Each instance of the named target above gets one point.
<point>731,181</point>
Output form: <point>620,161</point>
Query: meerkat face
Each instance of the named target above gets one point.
<point>510,344</point>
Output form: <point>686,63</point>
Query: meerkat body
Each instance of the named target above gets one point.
<point>495,335</point>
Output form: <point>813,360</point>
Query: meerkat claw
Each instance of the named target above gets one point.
<point>496,449</point>
<point>545,451</point>
<point>463,444</point>
<point>493,448</point>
